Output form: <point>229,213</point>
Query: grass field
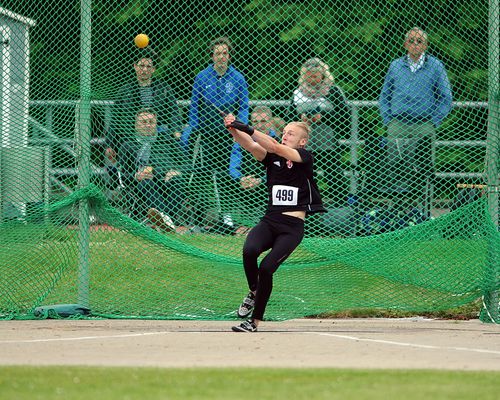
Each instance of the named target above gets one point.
<point>41,383</point>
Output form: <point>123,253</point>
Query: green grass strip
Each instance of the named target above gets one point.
<point>76,383</point>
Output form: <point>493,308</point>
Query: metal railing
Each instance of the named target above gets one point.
<point>43,133</point>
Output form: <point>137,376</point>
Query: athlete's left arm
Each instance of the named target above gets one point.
<point>273,146</point>
<point>259,141</point>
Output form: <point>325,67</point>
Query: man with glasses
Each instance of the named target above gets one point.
<point>415,99</point>
<point>248,185</point>
<point>263,120</point>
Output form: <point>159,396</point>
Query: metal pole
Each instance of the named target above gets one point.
<point>493,139</point>
<point>491,297</point>
<point>353,187</point>
<point>83,138</point>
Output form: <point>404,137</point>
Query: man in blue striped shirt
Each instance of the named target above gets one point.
<point>415,99</point>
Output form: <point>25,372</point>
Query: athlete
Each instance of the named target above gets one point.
<point>293,193</point>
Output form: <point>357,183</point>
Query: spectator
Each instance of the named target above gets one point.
<point>322,105</point>
<point>218,88</point>
<point>263,120</point>
<point>144,91</point>
<point>415,99</point>
<point>150,166</point>
<point>279,125</point>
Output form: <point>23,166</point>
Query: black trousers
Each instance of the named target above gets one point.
<point>280,233</point>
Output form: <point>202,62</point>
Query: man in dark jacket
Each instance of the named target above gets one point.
<point>151,167</point>
<point>144,91</point>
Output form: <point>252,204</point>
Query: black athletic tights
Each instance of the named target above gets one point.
<point>279,232</point>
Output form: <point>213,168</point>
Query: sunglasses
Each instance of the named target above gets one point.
<point>144,66</point>
<point>415,41</point>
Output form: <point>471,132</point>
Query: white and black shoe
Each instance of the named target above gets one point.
<point>246,326</point>
<point>247,306</point>
<point>161,221</point>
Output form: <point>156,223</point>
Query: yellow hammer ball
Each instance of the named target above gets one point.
<point>141,40</point>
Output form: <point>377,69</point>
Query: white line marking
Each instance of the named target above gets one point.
<point>404,344</point>
<point>353,338</point>
<point>128,335</point>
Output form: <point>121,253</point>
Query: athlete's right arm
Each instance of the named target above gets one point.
<point>245,140</point>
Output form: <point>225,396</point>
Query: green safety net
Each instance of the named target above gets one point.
<point>122,194</point>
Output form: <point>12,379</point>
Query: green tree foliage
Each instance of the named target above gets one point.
<point>357,39</point>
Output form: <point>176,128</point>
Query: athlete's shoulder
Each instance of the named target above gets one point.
<point>306,155</point>
<point>270,158</point>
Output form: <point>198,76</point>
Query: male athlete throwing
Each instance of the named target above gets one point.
<point>293,193</point>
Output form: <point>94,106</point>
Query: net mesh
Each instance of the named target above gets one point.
<point>121,190</point>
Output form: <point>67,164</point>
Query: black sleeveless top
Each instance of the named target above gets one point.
<point>290,185</point>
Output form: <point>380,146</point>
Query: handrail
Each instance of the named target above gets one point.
<point>253,103</point>
<point>353,142</point>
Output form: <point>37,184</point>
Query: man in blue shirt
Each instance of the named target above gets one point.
<point>218,89</point>
<point>415,99</point>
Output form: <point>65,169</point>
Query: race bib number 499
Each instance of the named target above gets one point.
<point>285,195</point>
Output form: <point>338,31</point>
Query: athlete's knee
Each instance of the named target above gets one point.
<point>267,270</point>
<point>251,250</point>
<point>265,277</point>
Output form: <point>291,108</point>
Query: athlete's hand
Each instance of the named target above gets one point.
<point>171,174</point>
<point>250,182</point>
<point>228,120</point>
<point>144,173</point>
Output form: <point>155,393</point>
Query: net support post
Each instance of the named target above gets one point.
<point>491,306</point>
<point>83,154</point>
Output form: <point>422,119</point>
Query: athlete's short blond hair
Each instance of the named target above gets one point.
<point>306,129</point>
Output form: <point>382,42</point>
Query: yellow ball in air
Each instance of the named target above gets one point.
<point>141,40</point>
